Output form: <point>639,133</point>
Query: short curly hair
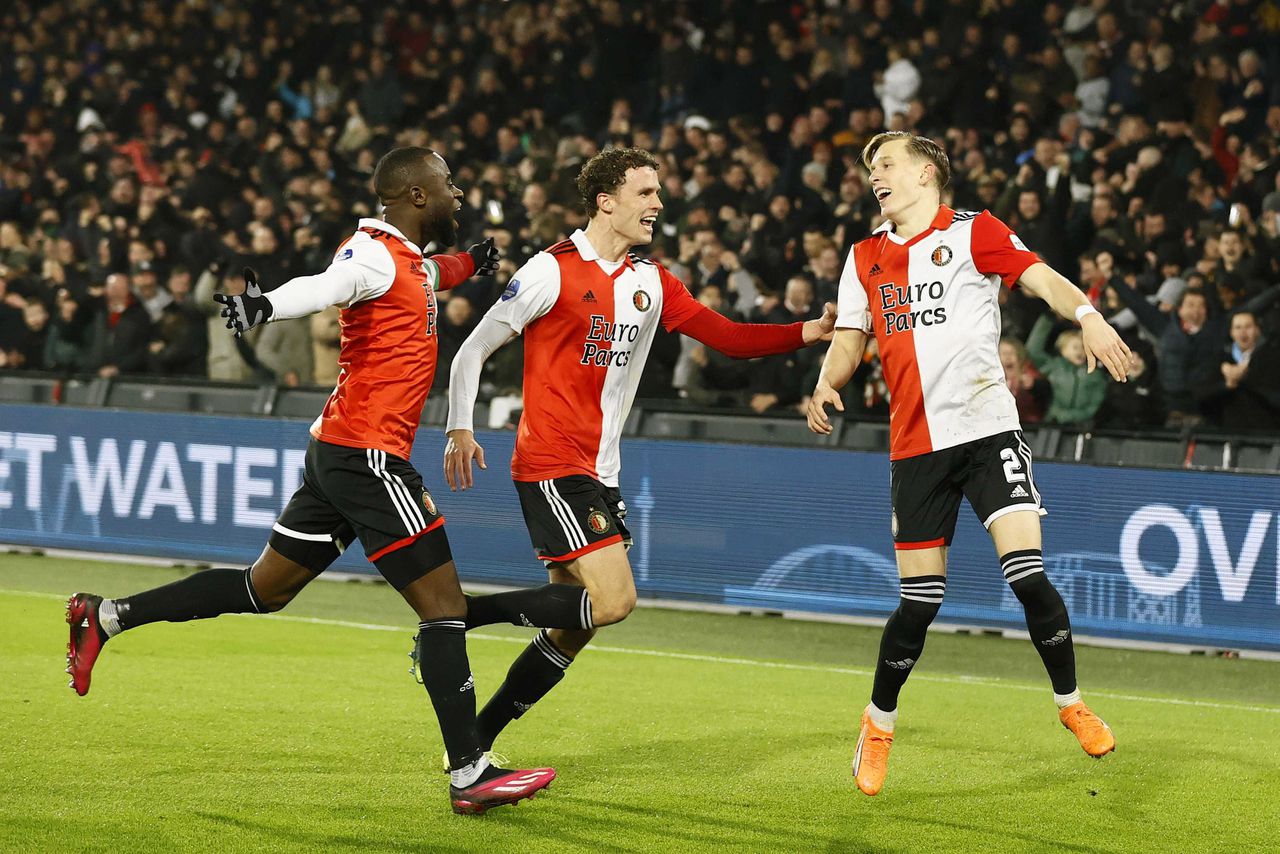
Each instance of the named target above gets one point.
<point>607,171</point>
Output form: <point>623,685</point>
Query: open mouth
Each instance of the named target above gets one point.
<point>882,194</point>
<point>648,221</point>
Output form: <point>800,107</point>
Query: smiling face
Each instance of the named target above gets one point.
<point>901,181</point>
<point>634,207</point>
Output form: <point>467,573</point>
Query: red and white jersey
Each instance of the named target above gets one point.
<point>387,358</point>
<point>933,303</point>
<point>588,325</point>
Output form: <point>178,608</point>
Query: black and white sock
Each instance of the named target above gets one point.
<point>903,639</point>
<point>538,669</point>
<point>446,674</point>
<point>1046,614</point>
<point>552,606</point>
<point>197,597</point>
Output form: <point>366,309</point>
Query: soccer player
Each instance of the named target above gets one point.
<point>926,283</point>
<point>588,309</point>
<point>358,481</point>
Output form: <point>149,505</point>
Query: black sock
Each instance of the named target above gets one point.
<point>552,606</point>
<point>904,633</point>
<point>531,676</point>
<point>1047,619</point>
<point>196,597</point>
<point>446,674</point>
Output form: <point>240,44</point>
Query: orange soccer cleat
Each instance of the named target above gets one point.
<point>1094,734</point>
<point>871,759</point>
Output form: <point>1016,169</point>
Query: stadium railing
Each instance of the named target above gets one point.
<point>1194,448</point>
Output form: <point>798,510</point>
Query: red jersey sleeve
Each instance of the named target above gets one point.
<point>453,269</point>
<point>682,313</point>
<point>678,305</point>
<point>997,251</point>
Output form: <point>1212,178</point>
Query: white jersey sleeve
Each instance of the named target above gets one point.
<point>362,269</point>
<point>854,309</point>
<point>530,294</point>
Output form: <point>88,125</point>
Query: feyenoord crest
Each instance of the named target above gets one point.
<point>597,520</point>
<point>429,504</point>
<point>942,256</point>
<point>641,301</point>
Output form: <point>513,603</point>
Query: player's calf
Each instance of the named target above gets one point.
<point>1046,614</point>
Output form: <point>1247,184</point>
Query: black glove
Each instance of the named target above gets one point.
<point>485,256</point>
<point>247,310</point>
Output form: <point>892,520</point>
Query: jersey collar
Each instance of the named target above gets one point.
<point>941,222</point>
<point>383,225</point>
<point>589,253</point>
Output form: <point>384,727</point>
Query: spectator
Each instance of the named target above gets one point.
<point>326,342</point>
<point>121,331</point>
<point>457,319</point>
<point>1030,391</point>
<point>146,287</point>
<point>1244,394</point>
<point>1188,343</point>
<point>1076,393</point>
<point>1135,404</point>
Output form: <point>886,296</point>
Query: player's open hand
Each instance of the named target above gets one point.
<point>247,310</point>
<point>459,451</point>
<point>822,329</point>
<point>486,257</point>
<point>1103,344</point>
<point>816,411</point>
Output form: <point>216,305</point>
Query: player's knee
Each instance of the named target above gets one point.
<point>921,597</point>
<point>612,609</point>
<point>1038,595</point>
<point>918,614</point>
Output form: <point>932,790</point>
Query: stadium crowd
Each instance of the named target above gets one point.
<point>149,151</point>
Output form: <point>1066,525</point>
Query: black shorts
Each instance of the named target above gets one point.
<point>993,473</point>
<point>570,516</point>
<point>358,492</point>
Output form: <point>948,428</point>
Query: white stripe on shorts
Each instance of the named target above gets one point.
<point>564,514</point>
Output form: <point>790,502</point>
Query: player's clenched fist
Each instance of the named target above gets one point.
<point>823,328</point>
<point>247,310</point>
<point>459,451</point>
<point>817,409</point>
<point>485,256</point>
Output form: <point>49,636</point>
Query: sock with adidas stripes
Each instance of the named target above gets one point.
<point>196,597</point>
<point>446,674</point>
<point>538,669</point>
<point>552,606</point>
<point>904,634</point>
<point>1046,613</point>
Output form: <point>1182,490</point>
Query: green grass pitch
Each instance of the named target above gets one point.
<point>683,732</point>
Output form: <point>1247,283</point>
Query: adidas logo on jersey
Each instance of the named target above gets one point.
<point>588,297</point>
<point>1018,492</point>
<point>875,271</point>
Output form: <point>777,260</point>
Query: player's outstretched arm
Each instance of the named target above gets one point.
<point>752,340</point>
<point>1101,342</point>
<point>464,385</point>
<point>837,369</point>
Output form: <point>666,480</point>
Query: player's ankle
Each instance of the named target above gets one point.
<point>1064,700</point>
<point>882,719</point>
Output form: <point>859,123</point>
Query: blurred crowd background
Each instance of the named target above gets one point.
<point>150,150</point>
